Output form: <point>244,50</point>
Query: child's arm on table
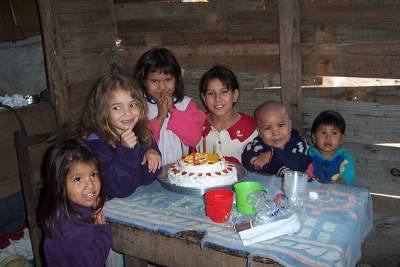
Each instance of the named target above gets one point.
<point>255,154</point>
<point>294,158</point>
<point>187,124</point>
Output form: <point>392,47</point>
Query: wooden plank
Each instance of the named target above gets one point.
<point>201,22</point>
<point>385,95</point>
<point>351,14</point>
<point>53,58</point>
<point>131,36</point>
<point>365,33</point>
<point>380,60</point>
<point>96,19</point>
<point>249,63</point>
<point>290,58</point>
<point>178,251</point>
<point>76,6</point>
<point>150,10</point>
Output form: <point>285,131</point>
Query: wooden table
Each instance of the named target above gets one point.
<point>170,229</point>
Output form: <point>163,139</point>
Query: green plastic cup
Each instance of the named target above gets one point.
<point>242,190</point>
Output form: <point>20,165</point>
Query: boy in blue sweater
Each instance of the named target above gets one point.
<point>330,162</point>
<point>278,147</point>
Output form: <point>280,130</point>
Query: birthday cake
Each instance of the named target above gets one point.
<point>202,170</point>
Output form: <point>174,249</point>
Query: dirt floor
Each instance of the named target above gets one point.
<point>382,246</point>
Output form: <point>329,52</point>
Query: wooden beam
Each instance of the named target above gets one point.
<point>53,59</point>
<point>290,58</point>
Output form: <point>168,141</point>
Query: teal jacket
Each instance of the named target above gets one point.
<point>341,165</point>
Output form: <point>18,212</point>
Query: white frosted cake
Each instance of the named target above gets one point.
<point>200,170</point>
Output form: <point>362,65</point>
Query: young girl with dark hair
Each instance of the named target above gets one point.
<point>173,117</point>
<point>225,131</point>
<point>74,224</point>
<point>114,125</point>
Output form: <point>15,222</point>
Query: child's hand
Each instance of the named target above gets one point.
<point>162,106</point>
<point>339,181</point>
<point>261,160</point>
<point>170,101</point>
<point>99,217</point>
<point>153,160</point>
<point>128,138</point>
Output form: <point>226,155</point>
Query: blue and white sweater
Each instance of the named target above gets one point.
<point>294,156</point>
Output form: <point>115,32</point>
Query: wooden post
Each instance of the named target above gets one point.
<point>290,59</point>
<point>53,59</point>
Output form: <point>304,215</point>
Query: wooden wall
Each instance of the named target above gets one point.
<point>338,38</point>
<point>79,46</point>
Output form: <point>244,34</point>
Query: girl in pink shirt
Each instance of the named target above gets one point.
<point>173,117</point>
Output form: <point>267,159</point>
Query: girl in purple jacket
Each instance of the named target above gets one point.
<point>72,216</point>
<point>114,126</point>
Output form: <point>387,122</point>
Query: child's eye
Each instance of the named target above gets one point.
<point>133,104</point>
<point>267,128</point>
<point>116,107</point>
<point>210,93</point>
<point>334,133</point>
<point>77,179</point>
<point>154,81</point>
<point>281,125</point>
<point>94,174</point>
<point>225,91</point>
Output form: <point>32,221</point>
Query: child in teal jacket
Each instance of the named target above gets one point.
<point>330,162</point>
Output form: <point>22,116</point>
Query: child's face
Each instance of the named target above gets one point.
<point>123,112</point>
<point>219,99</point>
<point>327,138</point>
<point>274,127</point>
<point>83,184</point>
<point>159,84</point>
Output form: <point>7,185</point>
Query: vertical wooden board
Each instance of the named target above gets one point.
<point>37,119</point>
<point>290,58</point>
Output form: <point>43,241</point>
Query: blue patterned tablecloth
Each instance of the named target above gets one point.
<point>334,226</point>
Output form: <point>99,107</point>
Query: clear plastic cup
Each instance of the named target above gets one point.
<point>295,186</point>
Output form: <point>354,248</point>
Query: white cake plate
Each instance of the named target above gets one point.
<point>163,179</point>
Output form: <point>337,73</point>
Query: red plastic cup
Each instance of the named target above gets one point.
<point>218,204</point>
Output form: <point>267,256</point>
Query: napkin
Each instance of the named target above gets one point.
<point>270,230</point>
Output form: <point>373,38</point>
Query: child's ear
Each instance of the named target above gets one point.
<point>202,95</point>
<point>236,94</point>
<point>313,138</point>
<point>342,139</point>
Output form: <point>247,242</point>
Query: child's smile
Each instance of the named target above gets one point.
<point>219,99</point>
<point>83,184</point>
<point>123,112</point>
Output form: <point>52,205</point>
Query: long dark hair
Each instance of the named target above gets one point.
<point>55,206</point>
<point>95,117</point>
<point>159,60</point>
